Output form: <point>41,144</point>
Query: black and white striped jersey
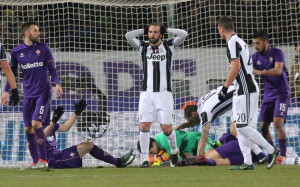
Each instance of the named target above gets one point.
<point>157,66</point>
<point>238,49</point>
<point>210,107</point>
<point>2,52</point>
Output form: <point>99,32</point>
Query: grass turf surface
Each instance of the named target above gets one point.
<point>154,176</point>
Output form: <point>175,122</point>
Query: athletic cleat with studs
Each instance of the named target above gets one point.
<point>263,160</point>
<point>41,165</point>
<point>28,167</point>
<point>272,158</point>
<point>174,160</point>
<point>243,167</point>
<point>279,159</point>
<point>127,159</point>
<point>146,164</point>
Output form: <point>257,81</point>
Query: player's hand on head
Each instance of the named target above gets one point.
<point>222,93</point>
<point>14,97</point>
<point>4,98</point>
<point>57,113</point>
<point>80,106</point>
<point>59,90</point>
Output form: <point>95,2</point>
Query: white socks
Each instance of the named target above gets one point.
<point>255,137</point>
<point>244,144</point>
<point>254,148</point>
<point>144,139</point>
<point>172,140</point>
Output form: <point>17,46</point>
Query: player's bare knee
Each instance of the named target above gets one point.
<point>145,126</point>
<point>36,124</point>
<point>29,130</point>
<point>167,129</point>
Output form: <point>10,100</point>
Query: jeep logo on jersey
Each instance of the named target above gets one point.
<point>33,65</point>
<point>157,57</point>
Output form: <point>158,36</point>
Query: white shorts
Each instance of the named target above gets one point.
<point>156,104</point>
<point>245,108</point>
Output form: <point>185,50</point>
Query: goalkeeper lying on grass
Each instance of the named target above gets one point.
<point>225,151</point>
<point>72,156</point>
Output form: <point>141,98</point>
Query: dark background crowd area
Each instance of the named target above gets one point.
<point>88,27</point>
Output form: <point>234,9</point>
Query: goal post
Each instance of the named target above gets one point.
<point>95,62</point>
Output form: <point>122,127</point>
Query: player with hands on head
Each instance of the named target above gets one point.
<point>156,97</point>
<point>72,156</point>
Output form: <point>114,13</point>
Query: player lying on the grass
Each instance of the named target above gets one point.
<point>208,108</point>
<point>72,156</point>
<point>186,141</point>
<point>225,151</point>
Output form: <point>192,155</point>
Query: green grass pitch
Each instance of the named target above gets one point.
<point>155,176</point>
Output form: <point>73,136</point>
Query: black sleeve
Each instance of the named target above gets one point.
<point>2,52</point>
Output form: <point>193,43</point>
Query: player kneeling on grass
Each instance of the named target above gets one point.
<point>187,143</point>
<point>224,152</point>
<point>72,156</point>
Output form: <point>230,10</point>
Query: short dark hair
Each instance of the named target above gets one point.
<point>26,26</point>
<point>261,34</point>
<point>188,110</point>
<point>150,145</point>
<point>296,44</point>
<point>226,22</point>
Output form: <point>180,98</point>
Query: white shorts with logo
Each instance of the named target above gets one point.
<point>156,104</point>
<point>245,108</point>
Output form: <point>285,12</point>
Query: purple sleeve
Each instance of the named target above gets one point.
<point>279,56</point>
<point>51,65</point>
<point>52,71</point>
<point>14,69</point>
<point>226,138</point>
<point>254,60</point>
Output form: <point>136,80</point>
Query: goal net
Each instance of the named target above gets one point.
<point>95,62</point>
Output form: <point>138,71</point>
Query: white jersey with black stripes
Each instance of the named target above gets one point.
<point>238,49</point>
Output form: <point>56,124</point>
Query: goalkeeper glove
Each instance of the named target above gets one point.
<point>222,94</point>
<point>14,98</point>
<point>58,112</point>
<point>80,106</point>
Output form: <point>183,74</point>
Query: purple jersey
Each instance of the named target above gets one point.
<point>35,61</point>
<point>274,86</point>
<point>51,139</point>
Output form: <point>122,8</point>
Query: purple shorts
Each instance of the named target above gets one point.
<point>274,108</point>
<point>232,151</point>
<point>67,158</point>
<point>37,108</point>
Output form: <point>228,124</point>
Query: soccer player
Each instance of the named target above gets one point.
<point>245,98</point>
<point>72,156</point>
<point>268,62</point>
<point>156,97</point>
<point>208,108</point>
<point>14,98</point>
<point>36,60</point>
<point>186,141</point>
<point>225,151</point>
